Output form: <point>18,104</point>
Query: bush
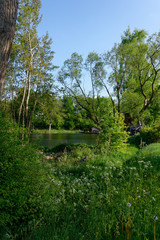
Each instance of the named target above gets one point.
<point>22,182</point>
<point>148,134</point>
<point>113,136</point>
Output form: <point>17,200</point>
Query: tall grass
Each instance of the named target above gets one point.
<point>104,197</point>
<point>23,183</point>
<point>78,192</point>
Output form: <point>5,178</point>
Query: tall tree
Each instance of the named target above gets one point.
<point>8,16</point>
<point>70,77</point>
<point>28,21</point>
<point>33,68</point>
<point>116,78</point>
<point>49,110</point>
<point>143,70</point>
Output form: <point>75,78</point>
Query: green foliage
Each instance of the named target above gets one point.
<point>69,112</point>
<point>70,77</point>
<point>92,192</point>
<point>79,192</point>
<point>49,111</point>
<point>23,182</point>
<point>113,136</point>
<point>30,70</point>
<point>142,71</point>
<point>101,199</point>
<point>148,135</point>
<point>130,69</point>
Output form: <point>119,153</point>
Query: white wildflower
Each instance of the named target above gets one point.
<point>155,218</point>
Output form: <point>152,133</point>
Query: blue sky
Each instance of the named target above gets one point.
<point>84,26</point>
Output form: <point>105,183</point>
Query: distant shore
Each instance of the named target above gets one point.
<point>55,131</point>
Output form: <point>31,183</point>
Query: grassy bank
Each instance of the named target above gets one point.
<point>55,131</point>
<point>103,197</point>
<point>77,192</point>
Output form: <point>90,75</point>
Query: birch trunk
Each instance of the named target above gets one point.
<point>8,16</point>
<point>24,95</point>
<point>50,127</point>
<point>28,97</point>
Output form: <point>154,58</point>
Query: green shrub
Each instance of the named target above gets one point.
<point>22,182</point>
<point>148,134</point>
<point>113,136</point>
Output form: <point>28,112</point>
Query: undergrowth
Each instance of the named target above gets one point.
<point>115,196</point>
<point>77,192</point>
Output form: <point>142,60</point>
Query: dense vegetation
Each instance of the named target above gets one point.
<point>107,191</point>
<point>78,192</point>
<point>85,92</point>
<point>107,197</point>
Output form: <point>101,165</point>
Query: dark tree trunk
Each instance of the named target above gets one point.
<point>8,16</point>
<point>31,116</point>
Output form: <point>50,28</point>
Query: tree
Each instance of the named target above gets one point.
<point>134,67</point>
<point>143,70</point>
<point>69,118</point>
<point>8,16</point>
<point>31,66</point>
<point>28,21</point>
<point>49,111</point>
<point>12,87</point>
<point>70,77</point>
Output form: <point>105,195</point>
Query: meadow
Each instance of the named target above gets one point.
<point>77,192</point>
<point>104,189</point>
<point>115,196</point>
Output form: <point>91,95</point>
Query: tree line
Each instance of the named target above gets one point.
<point>127,75</point>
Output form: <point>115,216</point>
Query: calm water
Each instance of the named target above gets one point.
<point>51,140</point>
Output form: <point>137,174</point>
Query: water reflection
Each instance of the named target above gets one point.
<point>51,140</point>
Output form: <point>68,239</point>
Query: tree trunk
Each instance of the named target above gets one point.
<point>31,116</point>
<point>28,97</point>
<point>119,101</point>
<point>23,98</point>
<point>50,127</point>
<point>8,16</point>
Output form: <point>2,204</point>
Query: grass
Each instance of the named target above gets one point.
<point>77,191</point>
<point>98,196</point>
<point>55,131</point>
<point>23,182</point>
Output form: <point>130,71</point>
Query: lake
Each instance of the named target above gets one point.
<point>52,139</point>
